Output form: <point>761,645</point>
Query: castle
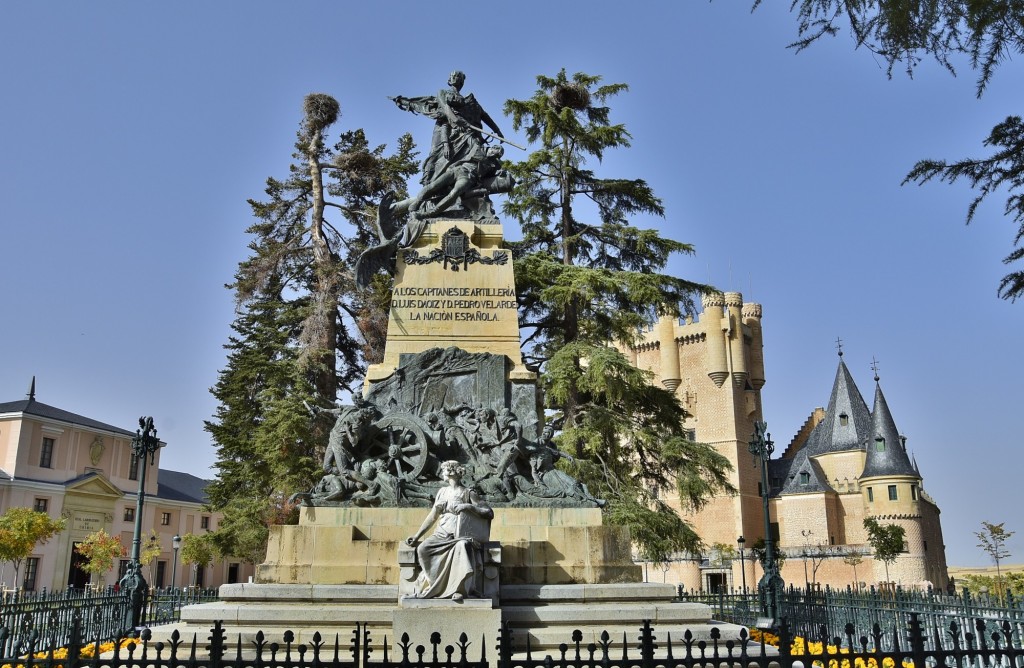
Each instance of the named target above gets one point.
<point>847,463</point>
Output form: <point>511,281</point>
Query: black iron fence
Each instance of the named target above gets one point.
<point>100,614</point>
<point>992,646</point>
<point>808,612</point>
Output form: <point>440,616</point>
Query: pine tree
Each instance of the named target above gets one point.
<point>297,244</point>
<point>587,278</point>
<point>1003,169</point>
<point>302,332</point>
<point>985,35</point>
<point>256,466</point>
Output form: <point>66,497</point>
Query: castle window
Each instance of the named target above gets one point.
<point>879,445</point>
<point>805,478</point>
<point>129,514</point>
<point>844,419</point>
<point>913,492</point>
<point>871,495</point>
<point>892,493</point>
<point>165,519</point>
<point>204,521</point>
<point>46,454</point>
<point>42,505</point>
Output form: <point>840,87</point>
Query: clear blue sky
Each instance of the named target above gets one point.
<point>131,135</point>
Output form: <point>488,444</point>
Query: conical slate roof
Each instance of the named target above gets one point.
<point>847,421</point>
<point>804,475</point>
<point>885,454</point>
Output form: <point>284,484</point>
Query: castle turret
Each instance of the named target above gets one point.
<point>670,376</point>
<point>718,369</point>
<point>737,355</point>
<point>752,319</point>
<point>886,454</point>
<point>892,492</point>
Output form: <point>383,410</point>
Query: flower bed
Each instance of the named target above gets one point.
<point>87,652</point>
<point>801,647</point>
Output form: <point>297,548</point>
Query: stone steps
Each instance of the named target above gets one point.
<point>547,614</point>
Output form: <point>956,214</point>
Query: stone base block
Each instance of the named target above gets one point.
<point>415,620</point>
<point>359,546</point>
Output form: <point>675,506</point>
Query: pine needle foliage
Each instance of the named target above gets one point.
<point>302,332</point>
<point>587,278</point>
<point>987,32</point>
<point>1003,169</point>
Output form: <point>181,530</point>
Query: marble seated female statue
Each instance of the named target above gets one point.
<point>451,559</point>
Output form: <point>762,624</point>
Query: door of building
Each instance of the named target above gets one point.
<point>77,578</point>
<point>716,582</point>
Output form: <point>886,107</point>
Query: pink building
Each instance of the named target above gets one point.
<point>83,470</point>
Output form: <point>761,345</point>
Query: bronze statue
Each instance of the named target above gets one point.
<point>387,449</point>
<point>458,134</point>
<point>460,169</point>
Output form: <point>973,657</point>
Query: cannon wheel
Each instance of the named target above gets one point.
<point>402,443</point>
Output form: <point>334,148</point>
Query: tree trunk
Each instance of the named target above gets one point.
<point>572,315</point>
<point>324,341</point>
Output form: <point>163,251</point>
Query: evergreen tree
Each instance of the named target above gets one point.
<point>903,33</point>
<point>1004,168</point>
<point>302,331</point>
<point>985,34</point>
<point>587,278</point>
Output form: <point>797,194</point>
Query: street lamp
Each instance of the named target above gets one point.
<point>175,545</point>
<point>806,533</point>
<point>771,584</point>
<point>741,541</point>
<point>144,447</point>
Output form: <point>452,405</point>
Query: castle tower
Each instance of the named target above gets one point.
<point>715,366</point>
<point>892,492</point>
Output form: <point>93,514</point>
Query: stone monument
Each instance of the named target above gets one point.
<point>450,420</point>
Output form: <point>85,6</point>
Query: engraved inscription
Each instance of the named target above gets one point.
<point>454,304</point>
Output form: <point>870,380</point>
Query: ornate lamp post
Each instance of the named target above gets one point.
<point>806,533</point>
<point>175,545</point>
<point>741,541</point>
<point>771,584</point>
<point>144,447</point>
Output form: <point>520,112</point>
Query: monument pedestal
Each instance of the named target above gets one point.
<point>359,546</point>
<point>478,618</point>
<point>561,570</point>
